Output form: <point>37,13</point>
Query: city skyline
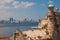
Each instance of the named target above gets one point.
<point>21,9</point>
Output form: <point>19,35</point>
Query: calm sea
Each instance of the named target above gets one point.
<point>8,30</point>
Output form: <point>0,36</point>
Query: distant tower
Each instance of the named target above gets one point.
<point>11,20</point>
<point>57,10</point>
<point>51,22</point>
<point>50,7</point>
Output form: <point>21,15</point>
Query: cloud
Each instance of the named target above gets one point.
<point>50,2</point>
<point>15,4</point>
<point>27,4</point>
<point>22,4</point>
<point>3,3</point>
<point>8,1</point>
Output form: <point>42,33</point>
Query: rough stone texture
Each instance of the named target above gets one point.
<point>53,22</point>
<point>17,35</point>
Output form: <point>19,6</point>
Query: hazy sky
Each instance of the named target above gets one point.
<point>20,9</point>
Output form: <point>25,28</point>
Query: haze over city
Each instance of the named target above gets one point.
<point>21,9</point>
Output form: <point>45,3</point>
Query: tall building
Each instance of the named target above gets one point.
<point>52,22</point>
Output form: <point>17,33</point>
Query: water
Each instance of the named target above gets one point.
<point>8,30</point>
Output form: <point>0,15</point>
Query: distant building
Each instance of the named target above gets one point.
<point>11,20</point>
